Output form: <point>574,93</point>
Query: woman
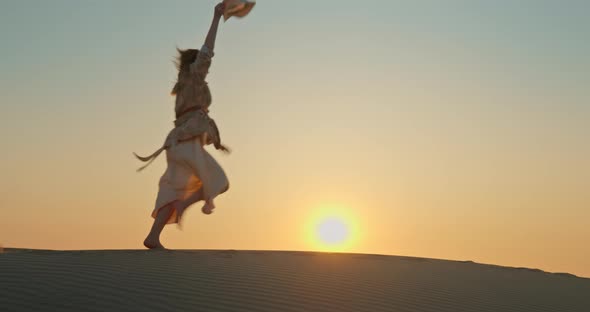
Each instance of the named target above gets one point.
<point>192,174</point>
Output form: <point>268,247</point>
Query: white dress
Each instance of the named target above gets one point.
<point>190,168</point>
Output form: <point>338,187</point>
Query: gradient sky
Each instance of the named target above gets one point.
<point>444,129</point>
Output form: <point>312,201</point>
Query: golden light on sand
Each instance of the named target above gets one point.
<point>332,229</point>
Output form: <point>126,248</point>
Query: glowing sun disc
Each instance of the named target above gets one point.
<point>332,231</point>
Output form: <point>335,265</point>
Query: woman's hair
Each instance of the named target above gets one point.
<point>183,61</point>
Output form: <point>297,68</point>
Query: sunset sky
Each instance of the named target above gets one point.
<point>442,129</point>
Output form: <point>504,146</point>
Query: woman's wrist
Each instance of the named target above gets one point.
<point>218,12</point>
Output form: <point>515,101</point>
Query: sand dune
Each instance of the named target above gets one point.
<point>137,280</point>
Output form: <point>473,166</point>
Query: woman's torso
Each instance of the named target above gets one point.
<point>194,94</point>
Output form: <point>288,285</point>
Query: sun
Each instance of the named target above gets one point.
<point>332,229</point>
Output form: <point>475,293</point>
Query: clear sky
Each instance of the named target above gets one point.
<point>445,129</point>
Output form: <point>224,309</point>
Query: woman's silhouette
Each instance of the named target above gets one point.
<point>192,174</point>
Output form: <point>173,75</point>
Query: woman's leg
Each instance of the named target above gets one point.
<point>182,205</point>
<point>209,172</point>
<point>152,241</point>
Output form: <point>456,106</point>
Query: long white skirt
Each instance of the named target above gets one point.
<point>190,169</point>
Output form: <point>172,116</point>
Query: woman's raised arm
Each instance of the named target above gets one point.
<point>218,13</point>
<point>200,67</point>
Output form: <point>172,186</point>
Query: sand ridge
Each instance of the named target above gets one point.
<point>228,280</point>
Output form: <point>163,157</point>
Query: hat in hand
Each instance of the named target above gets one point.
<point>237,8</point>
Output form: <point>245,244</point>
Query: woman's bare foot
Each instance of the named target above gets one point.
<point>153,243</point>
<point>208,207</point>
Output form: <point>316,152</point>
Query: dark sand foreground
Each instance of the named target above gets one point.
<point>137,280</point>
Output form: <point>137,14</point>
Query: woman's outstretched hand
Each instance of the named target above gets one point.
<point>219,8</point>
